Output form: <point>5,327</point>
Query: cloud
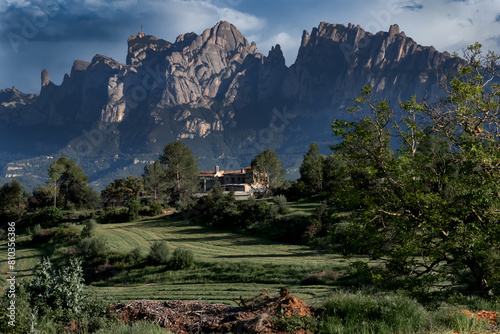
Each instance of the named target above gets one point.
<point>410,5</point>
<point>53,33</point>
<point>54,26</point>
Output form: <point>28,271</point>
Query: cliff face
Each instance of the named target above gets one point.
<point>335,61</point>
<point>217,90</point>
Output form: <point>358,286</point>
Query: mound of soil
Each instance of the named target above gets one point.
<point>490,316</point>
<point>183,317</point>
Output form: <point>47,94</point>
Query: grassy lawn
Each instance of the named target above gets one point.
<point>211,245</point>
<point>26,259</point>
<point>230,265</point>
<point>211,292</point>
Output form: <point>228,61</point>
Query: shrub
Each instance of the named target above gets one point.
<point>23,311</point>
<point>113,216</point>
<point>66,232</point>
<point>156,208</point>
<point>135,255</point>
<point>47,217</point>
<point>158,253</point>
<point>42,236</point>
<point>296,322</point>
<point>89,228</point>
<point>181,258</point>
<point>55,289</point>
<point>280,201</point>
<point>133,206</point>
<point>33,230</point>
<point>95,246</point>
<point>184,204</point>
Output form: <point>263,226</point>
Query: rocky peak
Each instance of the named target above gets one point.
<point>343,59</point>
<point>103,63</point>
<point>13,94</point>
<point>275,55</point>
<point>140,45</point>
<point>393,30</point>
<point>79,66</point>
<point>45,78</point>
<point>226,36</point>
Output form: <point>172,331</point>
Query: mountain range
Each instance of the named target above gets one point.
<point>215,92</point>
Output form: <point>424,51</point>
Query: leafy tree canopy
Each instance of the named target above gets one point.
<point>181,172</point>
<point>430,209</point>
<point>266,170</point>
<point>67,179</point>
<point>11,201</point>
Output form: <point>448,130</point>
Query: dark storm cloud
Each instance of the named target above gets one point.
<point>66,21</point>
<point>51,34</point>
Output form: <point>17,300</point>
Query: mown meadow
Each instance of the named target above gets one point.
<point>228,266</point>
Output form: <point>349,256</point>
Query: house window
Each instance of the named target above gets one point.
<point>232,180</point>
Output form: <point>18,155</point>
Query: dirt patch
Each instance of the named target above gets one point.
<point>491,316</point>
<point>252,315</point>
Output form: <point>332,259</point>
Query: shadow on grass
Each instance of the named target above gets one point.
<point>294,254</point>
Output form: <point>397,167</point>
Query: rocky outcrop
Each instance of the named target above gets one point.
<point>216,90</point>
<point>45,78</point>
<point>13,103</point>
<point>221,68</point>
<point>335,61</point>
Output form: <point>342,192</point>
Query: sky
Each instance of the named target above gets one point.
<point>52,34</point>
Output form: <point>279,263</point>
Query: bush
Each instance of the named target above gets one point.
<point>156,208</point>
<point>23,311</point>
<point>135,255</point>
<point>47,217</point>
<point>181,258</point>
<point>113,216</point>
<point>66,232</point>
<point>281,201</point>
<point>184,205</point>
<point>89,228</point>
<point>296,322</point>
<point>95,246</point>
<point>159,253</point>
<point>133,206</point>
<point>55,289</point>
<point>42,236</point>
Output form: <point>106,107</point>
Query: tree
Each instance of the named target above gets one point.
<point>11,201</point>
<point>311,170</point>
<point>121,190</point>
<point>181,172</point>
<point>68,179</point>
<point>154,179</point>
<point>266,170</point>
<point>428,210</point>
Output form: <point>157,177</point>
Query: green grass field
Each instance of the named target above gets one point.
<point>210,292</point>
<point>210,245</point>
<point>26,259</point>
<point>245,265</point>
<point>228,265</point>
